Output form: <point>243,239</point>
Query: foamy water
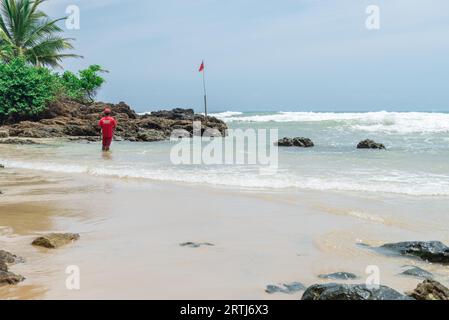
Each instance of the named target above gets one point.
<point>414,164</point>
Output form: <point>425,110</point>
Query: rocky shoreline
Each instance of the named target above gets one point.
<point>75,121</point>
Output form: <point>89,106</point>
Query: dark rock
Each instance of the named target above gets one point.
<point>338,276</point>
<point>370,144</point>
<point>55,240</point>
<point>295,142</point>
<point>6,277</point>
<point>351,292</point>
<point>9,258</point>
<point>18,141</point>
<point>9,278</point>
<point>430,290</point>
<point>196,245</point>
<point>175,114</point>
<point>150,136</point>
<point>2,166</point>
<point>285,288</point>
<point>432,251</point>
<point>417,272</point>
<point>70,119</point>
<point>4,134</point>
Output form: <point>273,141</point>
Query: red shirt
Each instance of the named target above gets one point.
<point>108,125</point>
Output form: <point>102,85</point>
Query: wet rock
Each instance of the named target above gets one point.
<point>175,114</point>
<point>417,272</point>
<point>285,288</point>
<point>370,144</point>
<point>18,141</point>
<point>6,277</point>
<point>430,290</point>
<point>9,258</point>
<point>351,292</point>
<point>9,278</point>
<point>196,245</point>
<point>4,134</point>
<point>2,166</point>
<point>66,118</point>
<point>338,276</point>
<point>432,251</point>
<point>55,240</point>
<point>295,142</point>
<point>150,136</point>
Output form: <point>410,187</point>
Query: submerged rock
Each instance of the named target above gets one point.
<point>417,272</point>
<point>295,142</point>
<point>6,277</point>
<point>432,251</point>
<point>351,292</point>
<point>430,290</point>
<point>9,258</point>
<point>285,288</point>
<point>338,276</point>
<point>55,240</point>
<point>18,141</point>
<point>196,245</point>
<point>9,278</point>
<point>370,144</point>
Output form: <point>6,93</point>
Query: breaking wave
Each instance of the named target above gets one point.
<point>383,121</point>
<point>420,186</point>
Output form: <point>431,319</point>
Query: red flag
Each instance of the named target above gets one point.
<point>202,67</point>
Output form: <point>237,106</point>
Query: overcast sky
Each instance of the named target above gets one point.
<point>286,55</point>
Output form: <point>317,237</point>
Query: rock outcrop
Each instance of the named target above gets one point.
<point>55,240</point>
<point>295,142</point>
<point>417,272</point>
<point>370,144</point>
<point>430,290</point>
<point>7,277</point>
<point>71,119</point>
<point>432,251</point>
<point>351,292</point>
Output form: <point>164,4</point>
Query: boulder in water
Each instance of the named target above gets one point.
<point>285,288</point>
<point>338,276</point>
<point>9,278</point>
<point>55,240</point>
<point>351,292</point>
<point>6,277</point>
<point>370,144</point>
<point>295,142</point>
<point>431,251</point>
<point>417,272</point>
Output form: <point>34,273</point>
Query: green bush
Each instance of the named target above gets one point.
<point>84,86</point>
<point>25,90</point>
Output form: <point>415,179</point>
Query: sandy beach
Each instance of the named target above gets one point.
<point>131,231</point>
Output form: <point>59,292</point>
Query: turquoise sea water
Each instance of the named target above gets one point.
<point>416,162</point>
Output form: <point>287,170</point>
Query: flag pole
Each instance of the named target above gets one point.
<point>205,91</point>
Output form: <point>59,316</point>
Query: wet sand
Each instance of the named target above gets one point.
<point>131,231</point>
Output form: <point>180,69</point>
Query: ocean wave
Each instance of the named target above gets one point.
<point>383,121</point>
<point>420,186</point>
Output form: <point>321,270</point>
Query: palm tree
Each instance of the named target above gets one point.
<point>26,31</point>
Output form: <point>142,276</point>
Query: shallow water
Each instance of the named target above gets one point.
<point>414,164</point>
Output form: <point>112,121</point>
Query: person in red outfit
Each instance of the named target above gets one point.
<point>108,125</point>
